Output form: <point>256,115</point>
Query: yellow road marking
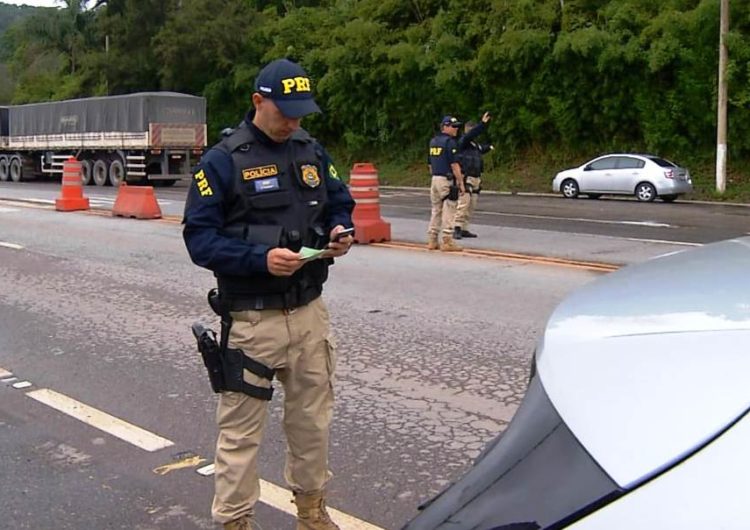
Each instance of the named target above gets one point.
<point>100,420</point>
<point>508,256</point>
<point>190,461</point>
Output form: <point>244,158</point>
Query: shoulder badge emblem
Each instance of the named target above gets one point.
<point>310,175</point>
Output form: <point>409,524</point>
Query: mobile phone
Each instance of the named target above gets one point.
<point>340,235</point>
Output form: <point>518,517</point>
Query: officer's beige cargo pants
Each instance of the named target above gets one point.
<point>298,344</point>
<point>467,203</point>
<point>443,211</point>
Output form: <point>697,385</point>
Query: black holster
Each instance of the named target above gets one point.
<point>452,193</point>
<point>226,365</point>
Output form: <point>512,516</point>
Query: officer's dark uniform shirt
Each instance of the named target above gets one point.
<point>443,151</point>
<point>206,215</point>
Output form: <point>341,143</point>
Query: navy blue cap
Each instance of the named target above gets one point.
<point>287,84</point>
<point>450,121</point>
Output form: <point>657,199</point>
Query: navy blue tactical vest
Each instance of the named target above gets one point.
<point>441,155</point>
<point>278,199</point>
<point>471,161</point>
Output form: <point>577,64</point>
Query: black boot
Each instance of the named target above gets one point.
<point>466,233</point>
<point>457,232</point>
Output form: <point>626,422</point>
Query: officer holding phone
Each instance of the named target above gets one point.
<point>261,195</point>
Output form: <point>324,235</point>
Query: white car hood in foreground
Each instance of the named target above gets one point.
<point>651,362</point>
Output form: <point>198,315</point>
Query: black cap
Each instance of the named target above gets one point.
<point>286,83</point>
<point>450,121</point>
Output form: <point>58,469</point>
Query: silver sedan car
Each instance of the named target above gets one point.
<point>637,415</point>
<point>645,176</point>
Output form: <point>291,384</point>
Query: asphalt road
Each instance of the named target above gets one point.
<point>434,351</point>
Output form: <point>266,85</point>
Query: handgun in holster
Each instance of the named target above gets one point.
<point>211,353</point>
<point>226,365</point>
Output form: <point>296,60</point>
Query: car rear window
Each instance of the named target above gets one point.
<point>627,162</point>
<point>661,161</point>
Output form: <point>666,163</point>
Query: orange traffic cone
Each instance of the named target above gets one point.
<point>369,227</point>
<point>138,202</point>
<point>71,194</point>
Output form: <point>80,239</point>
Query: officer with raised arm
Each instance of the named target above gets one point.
<point>472,165</point>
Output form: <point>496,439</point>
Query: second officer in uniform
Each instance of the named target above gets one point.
<point>257,198</point>
<point>446,186</point>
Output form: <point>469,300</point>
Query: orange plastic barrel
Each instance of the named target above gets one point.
<point>71,194</point>
<point>369,227</point>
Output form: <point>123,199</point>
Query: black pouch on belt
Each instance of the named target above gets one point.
<point>453,193</point>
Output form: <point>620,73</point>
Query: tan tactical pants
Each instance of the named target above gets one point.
<point>443,211</point>
<point>298,344</point>
<point>467,203</point>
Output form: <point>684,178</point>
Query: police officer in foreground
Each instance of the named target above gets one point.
<point>257,198</point>
<point>446,186</point>
<point>470,157</point>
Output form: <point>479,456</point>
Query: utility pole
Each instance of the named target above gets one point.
<point>721,122</point>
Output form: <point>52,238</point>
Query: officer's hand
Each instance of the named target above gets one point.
<point>336,249</point>
<point>283,262</point>
<point>461,189</point>
<point>486,117</point>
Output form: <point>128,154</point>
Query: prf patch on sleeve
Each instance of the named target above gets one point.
<point>202,182</point>
<point>252,173</point>
<point>333,173</point>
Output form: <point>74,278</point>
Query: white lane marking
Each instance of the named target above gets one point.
<point>22,384</point>
<point>4,209</point>
<point>40,201</point>
<point>101,420</point>
<point>206,471</point>
<point>280,498</point>
<point>664,241</point>
<point>5,373</point>
<point>580,219</point>
<point>650,224</point>
<point>14,246</point>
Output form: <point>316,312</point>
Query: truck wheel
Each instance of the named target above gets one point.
<point>16,171</point>
<point>99,173</point>
<point>4,169</point>
<point>116,172</point>
<point>86,172</point>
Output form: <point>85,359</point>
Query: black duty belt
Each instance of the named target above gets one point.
<point>288,300</point>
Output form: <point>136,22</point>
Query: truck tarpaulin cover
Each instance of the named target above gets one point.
<point>3,121</point>
<point>128,113</point>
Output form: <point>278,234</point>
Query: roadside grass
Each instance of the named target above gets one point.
<point>533,171</point>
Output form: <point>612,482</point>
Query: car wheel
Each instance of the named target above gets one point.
<point>569,189</point>
<point>645,192</point>
<point>668,198</point>
<point>593,195</point>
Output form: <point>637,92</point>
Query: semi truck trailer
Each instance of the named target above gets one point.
<point>134,138</point>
